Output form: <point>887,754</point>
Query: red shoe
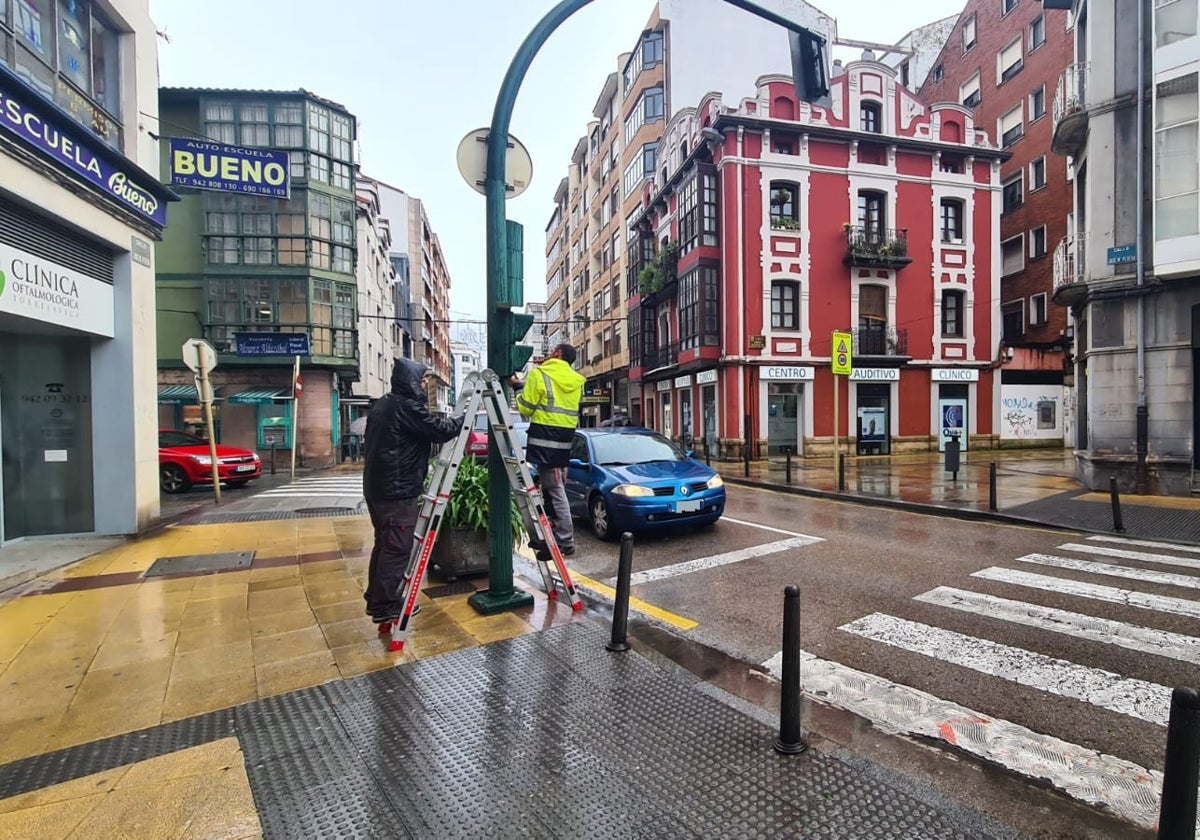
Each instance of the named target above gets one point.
<point>385,627</point>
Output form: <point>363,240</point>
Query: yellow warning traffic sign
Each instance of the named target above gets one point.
<point>843,360</point>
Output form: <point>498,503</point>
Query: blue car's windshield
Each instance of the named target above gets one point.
<point>617,449</point>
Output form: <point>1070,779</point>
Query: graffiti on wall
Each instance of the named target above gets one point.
<point>1031,412</point>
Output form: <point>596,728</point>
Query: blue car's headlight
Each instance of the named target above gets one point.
<point>632,490</point>
<point>715,482</point>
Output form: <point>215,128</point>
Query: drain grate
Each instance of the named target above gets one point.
<point>190,564</point>
<point>327,511</point>
<point>456,588</point>
<point>265,516</point>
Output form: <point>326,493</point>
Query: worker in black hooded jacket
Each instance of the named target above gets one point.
<point>400,431</point>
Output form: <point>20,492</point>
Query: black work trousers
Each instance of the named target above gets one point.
<point>393,521</point>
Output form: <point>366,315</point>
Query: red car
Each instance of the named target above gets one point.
<point>184,460</point>
<point>477,442</point>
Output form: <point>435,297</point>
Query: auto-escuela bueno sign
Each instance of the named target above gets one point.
<point>69,145</point>
<point>205,165</point>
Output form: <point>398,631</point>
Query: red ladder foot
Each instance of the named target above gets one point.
<point>577,607</point>
<point>396,645</point>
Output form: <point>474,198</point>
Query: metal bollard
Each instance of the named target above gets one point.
<point>1181,768</point>
<point>841,476</point>
<point>272,456</point>
<point>992,502</point>
<point>621,606</point>
<point>707,454</point>
<point>1118,523</point>
<point>788,451</point>
<point>789,741</point>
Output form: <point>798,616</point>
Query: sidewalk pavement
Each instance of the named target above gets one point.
<point>1034,487</point>
<point>243,693</point>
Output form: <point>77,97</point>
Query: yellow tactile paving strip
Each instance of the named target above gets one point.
<point>79,666</point>
<point>199,793</point>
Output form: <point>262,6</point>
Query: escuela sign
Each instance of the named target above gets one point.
<point>205,165</point>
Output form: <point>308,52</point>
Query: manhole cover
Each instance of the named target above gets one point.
<point>198,563</point>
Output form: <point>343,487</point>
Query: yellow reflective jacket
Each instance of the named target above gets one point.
<point>550,399</point>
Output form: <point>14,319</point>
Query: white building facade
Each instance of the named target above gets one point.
<point>463,361</point>
<point>80,206</point>
<point>1130,265</point>
<point>379,332</point>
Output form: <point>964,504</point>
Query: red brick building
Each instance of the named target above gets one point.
<point>1003,60</point>
<point>773,223</point>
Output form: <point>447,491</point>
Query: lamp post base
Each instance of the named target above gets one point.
<point>490,603</point>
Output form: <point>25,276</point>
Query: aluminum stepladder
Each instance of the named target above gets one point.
<point>481,390</point>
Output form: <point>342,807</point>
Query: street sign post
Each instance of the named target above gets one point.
<point>200,356</point>
<point>842,362</point>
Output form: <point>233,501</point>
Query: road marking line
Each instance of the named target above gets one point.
<point>636,603</point>
<point>1091,567</point>
<point>770,528</point>
<point>1164,559</point>
<point>1146,543</point>
<point>1066,586</point>
<point>1104,630</point>
<point>1123,695</point>
<point>724,559</point>
<point>1129,791</point>
<point>318,494</point>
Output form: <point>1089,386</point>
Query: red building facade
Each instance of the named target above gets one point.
<point>772,224</point>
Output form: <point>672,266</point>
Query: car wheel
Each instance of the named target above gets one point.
<point>173,479</point>
<point>602,524</point>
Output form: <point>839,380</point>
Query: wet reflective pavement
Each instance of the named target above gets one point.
<point>260,703</point>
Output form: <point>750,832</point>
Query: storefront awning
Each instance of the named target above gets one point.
<point>256,397</point>
<point>181,395</point>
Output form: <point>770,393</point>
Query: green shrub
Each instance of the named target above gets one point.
<point>467,508</point>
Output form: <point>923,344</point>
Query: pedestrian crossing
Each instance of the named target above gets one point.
<point>341,487</point>
<point>1078,581</point>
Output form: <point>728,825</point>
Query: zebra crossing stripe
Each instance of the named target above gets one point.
<point>1104,630</point>
<point>1145,543</point>
<point>1065,586</point>
<point>1136,698</point>
<point>1127,790</point>
<point>702,563</point>
<point>1143,575</point>
<point>1164,559</point>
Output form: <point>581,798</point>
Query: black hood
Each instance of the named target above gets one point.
<point>406,378</point>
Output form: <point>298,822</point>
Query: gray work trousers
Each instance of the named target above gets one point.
<point>554,492</point>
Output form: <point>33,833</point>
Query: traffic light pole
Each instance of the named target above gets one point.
<point>501,594</point>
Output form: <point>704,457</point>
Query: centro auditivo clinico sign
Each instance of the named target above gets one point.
<point>204,165</point>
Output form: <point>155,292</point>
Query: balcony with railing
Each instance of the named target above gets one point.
<point>874,247</point>
<point>660,276</point>
<point>1070,264</point>
<point>666,355</point>
<point>1070,110</point>
<point>882,341</point>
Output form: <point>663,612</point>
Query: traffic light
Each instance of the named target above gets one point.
<point>513,293</point>
<point>810,67</point>
<point>512,327</point>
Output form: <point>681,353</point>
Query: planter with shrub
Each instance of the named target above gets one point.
<point>462,545</point>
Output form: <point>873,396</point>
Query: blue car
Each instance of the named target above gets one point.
<point>630,479</point>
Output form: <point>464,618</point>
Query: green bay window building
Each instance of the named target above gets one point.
<point>233,264</point>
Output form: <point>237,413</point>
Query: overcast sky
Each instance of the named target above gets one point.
<point>420,74</point>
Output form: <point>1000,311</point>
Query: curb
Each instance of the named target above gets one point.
<point>967,514</point>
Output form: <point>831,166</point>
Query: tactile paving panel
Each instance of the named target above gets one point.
<point>546,735</point>
<point>41,771</point>
<point>199,563</point>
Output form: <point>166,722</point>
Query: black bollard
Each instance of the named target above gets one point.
<point>992,502</point>
<point>789,741</point>
<point>707,454</point>
<point>788,451</point>
<point>1181,768</point>
<point>621,607</point>
<point>1118,523</point>
<point>841,476</point>
<point>272,456</point>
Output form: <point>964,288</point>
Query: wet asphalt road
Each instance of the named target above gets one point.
<point>871,560</point>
